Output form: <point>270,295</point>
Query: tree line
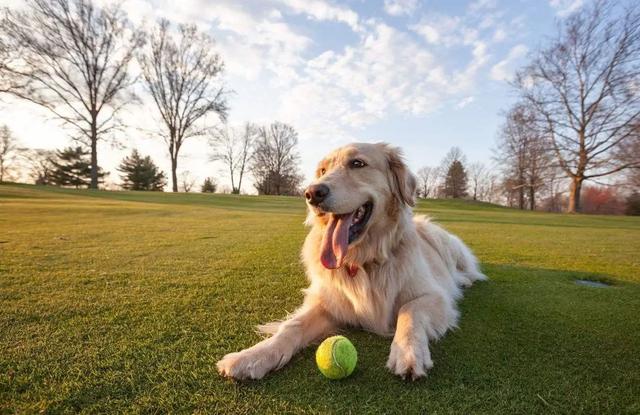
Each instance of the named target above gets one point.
<point>75,59</point>
<point>268,153</point>
<point>456,178</point>
<point>576,119</point>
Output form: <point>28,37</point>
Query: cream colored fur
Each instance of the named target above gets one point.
<point>410,271</point>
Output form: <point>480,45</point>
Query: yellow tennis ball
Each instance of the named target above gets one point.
<point>336,357</point>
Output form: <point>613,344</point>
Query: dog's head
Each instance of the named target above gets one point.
<point>357,188</point>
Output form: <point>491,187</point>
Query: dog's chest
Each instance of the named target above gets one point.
<point>360,301</point>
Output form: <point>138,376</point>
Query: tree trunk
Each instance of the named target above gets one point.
<point>574,194</point>
<point>174,175</point>
<point>233,184</point>
<point>578,178</point>
<point>94,155</point>
<point>532,198</point>
<point>240,180</point>
<point>521,198</point>
<point>521,191</point>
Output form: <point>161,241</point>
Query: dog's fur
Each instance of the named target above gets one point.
<point>409,271</point>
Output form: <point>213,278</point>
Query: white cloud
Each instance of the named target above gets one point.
<point>361,84</point>
<point>250,41</point>
<point>499,35</point>
<point>502,70</point>
<point>385,74</point>
<point>442,29</point>
<point>564,8</point>
<point>400,7</point>
<point>464,102</point>
<point>464,79</point>
<point>430,33</point>
<point>321,10</point>
<point>464,29</point>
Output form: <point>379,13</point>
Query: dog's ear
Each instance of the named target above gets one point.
<point>402,181</point>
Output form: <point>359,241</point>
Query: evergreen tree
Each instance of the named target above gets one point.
<point>455,184</point>
<point>209,186</point>
<point>72,167</point>
<point>141,173</point>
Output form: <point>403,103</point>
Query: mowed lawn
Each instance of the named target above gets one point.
<point>124,301</point>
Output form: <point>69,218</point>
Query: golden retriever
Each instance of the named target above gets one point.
<point>371,264</point>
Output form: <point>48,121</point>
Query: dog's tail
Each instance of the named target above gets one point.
<point>466,263</point>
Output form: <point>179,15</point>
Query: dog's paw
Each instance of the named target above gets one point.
<point>242,365</point>
<point>251,363</point>
<point>409,360</point>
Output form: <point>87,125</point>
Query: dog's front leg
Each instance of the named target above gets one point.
<point>424,318</point>
<point>306,325</point>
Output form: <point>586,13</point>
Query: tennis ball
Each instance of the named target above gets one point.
<point>336,357</point>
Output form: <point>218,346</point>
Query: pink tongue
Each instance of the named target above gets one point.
<point>336,240</point>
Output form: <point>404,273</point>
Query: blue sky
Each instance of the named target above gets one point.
<point>424,75</point>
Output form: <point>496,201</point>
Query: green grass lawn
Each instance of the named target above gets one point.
<point>124,301</point>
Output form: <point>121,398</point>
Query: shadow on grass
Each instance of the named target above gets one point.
<point>530,341</point>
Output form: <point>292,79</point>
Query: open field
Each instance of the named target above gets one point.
<point>124,301</point>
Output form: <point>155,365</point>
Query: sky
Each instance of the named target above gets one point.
<point>424,75</point>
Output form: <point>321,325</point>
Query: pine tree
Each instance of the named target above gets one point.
<point>141,173</point>
<point>209,186</point>
<point>455,184</point>
<point>72,167</point>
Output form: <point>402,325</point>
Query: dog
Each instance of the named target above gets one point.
<point>371,265</point>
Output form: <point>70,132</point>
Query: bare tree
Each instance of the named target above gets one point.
<point>583,90</point>
<point>538,168</point>
<point>477,174</point>
<point>71,58</point>
<point>5,80</point>
<point>512,152</point>
<point>187,181</point>
<point>554,190</point>
<point>428,178</point>
<point>629,153</point>
<point>234,148</point>
<point>40,165</point>
<point>183,76</point>
<point>275,161</point>
<point>523,154</point>
<point>8,152</point>
<point>491,189</point>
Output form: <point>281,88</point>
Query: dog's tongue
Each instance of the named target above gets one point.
<point>336,240</point>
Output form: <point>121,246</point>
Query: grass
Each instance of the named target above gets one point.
<point>124,301</point>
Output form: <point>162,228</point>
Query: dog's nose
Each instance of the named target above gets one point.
<point>316,193</point>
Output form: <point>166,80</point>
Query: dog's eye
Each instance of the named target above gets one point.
<point>323,171</point>
<point>357,164</point>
